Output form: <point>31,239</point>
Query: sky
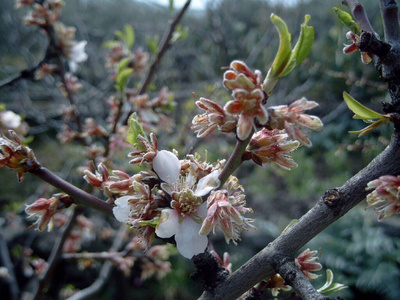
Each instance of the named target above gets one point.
<point>198,4</point>
<point>201,4</point>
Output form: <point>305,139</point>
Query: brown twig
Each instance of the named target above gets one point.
<point>55,256</point>
<point>79,196</point>
<point>162,49</point>
<point>235,159</point>
<point>105,271</point>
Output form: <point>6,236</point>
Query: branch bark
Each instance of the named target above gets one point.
<point>79,196</point>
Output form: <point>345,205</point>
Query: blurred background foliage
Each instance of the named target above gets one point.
<point>363,253</point>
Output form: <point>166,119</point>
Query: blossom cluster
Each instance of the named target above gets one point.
<point>174,198</point>
<point>385,196</point>
<point>284,127</point>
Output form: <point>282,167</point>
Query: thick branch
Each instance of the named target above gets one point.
<point>79,196</point>
<point>333,205</point>
<point>390,18</point>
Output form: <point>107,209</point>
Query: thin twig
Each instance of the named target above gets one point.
<point>104,272</point>
<point>235,159</point>
<point>55,256</point>
<point>162,49</point>
<point>6,262</point>
<point>79,196</point>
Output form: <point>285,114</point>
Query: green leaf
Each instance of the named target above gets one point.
<point>129,36</point>
<point>302,47</point>
<point>180,33</point>
<point>367,129</point>
<point>285,48</point>
<point>347,20</point>
<point>120,35</point>
<point>152,43</point>
<point>329,286</point>
<point>360,111</point>
<point>153,222</point>
<point>122,78</point>
<point>2,106</point>
<point>110,44</point>
<point>135,129</point>
<point>123,64</point>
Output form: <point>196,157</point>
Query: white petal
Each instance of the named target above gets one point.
<point>169,223</point>
<point>188,241</point>
<point>122,209</point>
<point>208,183</point>
<point>167,166</point>
<point>78,53</point>
<point>202,210</point>
<point>10,119</point>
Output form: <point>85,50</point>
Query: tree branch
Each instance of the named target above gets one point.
<point>162,49</point>
<point>79,196</point>
<point>6,262</point>
<point>55,256</point>
<point>333,205</point>
<point>389,11</point>
<point>104,272</point>
<point>235,159</point>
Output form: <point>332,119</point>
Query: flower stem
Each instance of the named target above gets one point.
<point>235,159</point>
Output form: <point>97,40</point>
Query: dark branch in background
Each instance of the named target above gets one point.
<point>390,18</point>
<point>6,261</point>
<point>105,271</point>
<point>162,49</point>
<point>28,73</point>
<point>55,256</point>
<point>79,196</point>
<point>332,206</point>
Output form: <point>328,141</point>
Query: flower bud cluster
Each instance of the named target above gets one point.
<point>386,196</point>
<point>46,14</point>
<point>272,146</point>
<point>248,97</point>
<point>16,156</point>
<point>43,210</point>
<point>152,112</point>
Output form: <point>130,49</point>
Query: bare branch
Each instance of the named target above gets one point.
<point>389,11</point>
<point>79,196</point>
<point>6,262</point>
<point>162,49</point>
<point>55,256</point>
<point>104,272</point>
